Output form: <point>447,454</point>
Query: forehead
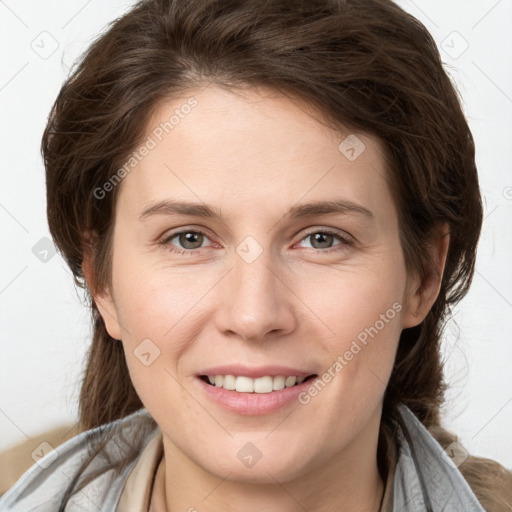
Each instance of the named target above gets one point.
<point>245,150</point>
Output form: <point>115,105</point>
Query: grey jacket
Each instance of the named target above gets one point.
<point>426,479</point>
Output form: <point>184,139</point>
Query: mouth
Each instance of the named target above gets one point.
<point>259,385</point>
<point>253,390</point>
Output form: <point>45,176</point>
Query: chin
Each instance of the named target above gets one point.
<point>250,465</point>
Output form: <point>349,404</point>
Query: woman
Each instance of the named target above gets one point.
<point>273,207</point>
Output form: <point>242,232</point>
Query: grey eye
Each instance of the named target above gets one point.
<point>190,239</point>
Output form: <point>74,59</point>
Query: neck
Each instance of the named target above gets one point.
<point>348,481</point>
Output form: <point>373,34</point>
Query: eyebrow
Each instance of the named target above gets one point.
<point>338,206</point>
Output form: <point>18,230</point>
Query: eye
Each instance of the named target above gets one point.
<point>188,239</point>
<point>323,239</point>
<point>191,240</point>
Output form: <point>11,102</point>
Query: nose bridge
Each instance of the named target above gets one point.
<point>253,301</point>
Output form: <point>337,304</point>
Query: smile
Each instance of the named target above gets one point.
<point>244,384</point>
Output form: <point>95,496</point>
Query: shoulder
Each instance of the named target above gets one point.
<point>15,461</point>
<point>490,481</point>
<point>98,461</point>
<point>427,476</point>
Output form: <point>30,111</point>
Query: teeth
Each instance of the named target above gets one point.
<point>278,383</point>
<point>229,382</point>
<point>263,385</point>
<point>290,381</point>
<point>244,384</point>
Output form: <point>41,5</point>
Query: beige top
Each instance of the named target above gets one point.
<point>139,494</point>
<point>138,488</point>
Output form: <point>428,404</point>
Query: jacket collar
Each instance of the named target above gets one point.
<point>426,478</point>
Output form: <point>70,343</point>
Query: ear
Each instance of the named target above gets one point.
<point>102,297</point>
<point>423,290</point>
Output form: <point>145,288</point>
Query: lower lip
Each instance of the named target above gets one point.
<point>253,404</point>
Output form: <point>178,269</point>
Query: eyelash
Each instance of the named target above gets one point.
<point>344,241</point>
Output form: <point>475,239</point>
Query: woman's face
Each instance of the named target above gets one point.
<point>253,242</point>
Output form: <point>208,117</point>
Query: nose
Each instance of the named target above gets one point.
<point>255,302</point>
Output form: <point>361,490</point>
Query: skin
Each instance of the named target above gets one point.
<point>254,155</point>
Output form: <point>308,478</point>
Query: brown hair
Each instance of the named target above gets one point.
<point>363,64</point>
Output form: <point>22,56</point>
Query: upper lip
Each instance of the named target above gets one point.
<point>254,371</point>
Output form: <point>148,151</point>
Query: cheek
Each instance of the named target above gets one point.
<point>159,325</point>
<point>357,303</point>
<point>160,310</point>
<point>361,321</point>
<point>152,301</point>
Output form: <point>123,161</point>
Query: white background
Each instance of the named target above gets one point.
<point>45,327</point>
